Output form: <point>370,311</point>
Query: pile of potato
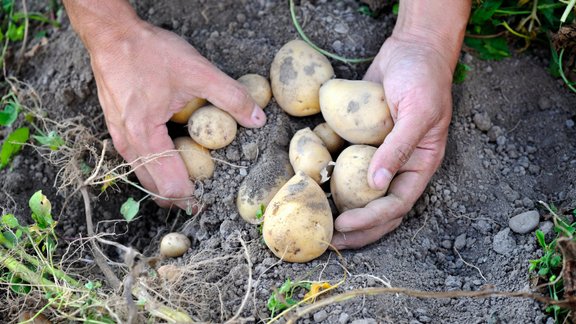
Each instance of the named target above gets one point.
<point>298,222</point>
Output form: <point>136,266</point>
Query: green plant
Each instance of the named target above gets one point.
<point>285,296</point>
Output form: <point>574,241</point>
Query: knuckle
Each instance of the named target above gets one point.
<point>403,152</point>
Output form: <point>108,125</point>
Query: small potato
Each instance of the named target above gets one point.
<point>334,143</point>
<point>356,110</point>
<point>169,272</point>
<point>308,154</point>
<point>183,115</point>
<point>349,182</point>
<point>212,127</point>
<point>174,245</point>
<point>258,87</point>
<point>298,223</point>
<point>197,159</point>
<point>296,75</point>
<point>262,183</point>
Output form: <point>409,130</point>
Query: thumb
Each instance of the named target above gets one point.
<point>396,150</point>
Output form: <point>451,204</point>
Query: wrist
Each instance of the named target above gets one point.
<point>435,24</point>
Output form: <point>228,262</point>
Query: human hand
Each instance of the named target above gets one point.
<point>143,78</point>
<point>417,80</point>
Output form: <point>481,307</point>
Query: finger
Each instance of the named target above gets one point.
<point>358,239</point>
<point>227,94</point>
<point>396,150</point>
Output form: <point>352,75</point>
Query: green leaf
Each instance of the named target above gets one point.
<point>10,220</point>
<point>556,261</point>
<point>129,209</point>
<point>52,140</point>
<point>460,73</point>
<point>15,33</point>
<point>543,271</point>
<point>366,11</point>
<point>485,11</point>
<point>41,210</point>
<point>17,288</point>
<point>489,48</point>
<point>540,237</point>
<point>395,9</point>
<point>9,114</point>
<point>12,145</point>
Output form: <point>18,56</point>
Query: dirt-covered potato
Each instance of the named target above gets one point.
<point>169,272</point>
<point>349,182</point>
<point>308,153</point>
<point>197,159</point>
<point>356,110</point>
<point>258,87</point>
<point>212,127</point>
<point>298,223</point>
<point>174,245</point>
<point>334,143</point>
<point>262,183</point>
<point>296,75</point>
<point>183,115</point>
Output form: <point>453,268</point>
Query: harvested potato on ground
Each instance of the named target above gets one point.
<point>356,110</point>
<point>262,183</point>
<point>183,115</point>
<point>258,87</point>
<point>296,75</point>
<point>197,159</point>
<point>174,245</point>
<point>212,127</point>
<point>298,223</point>
<point>334,143</point>
<point>308,153</point>
<point>349,182</point>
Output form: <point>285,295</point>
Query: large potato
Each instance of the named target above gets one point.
<point>349,182</point>
<point>334,143</point>
<point>212,127</point>
<point>298,223</point>
<point>197,159</point>
<point>262,184</point>
<point>258,87</point>
<point>183,115</point>
<point>296,75</point>
<point>308,154</point>
<point>356,110</point>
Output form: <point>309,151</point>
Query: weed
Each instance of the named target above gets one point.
<point>285,296</point>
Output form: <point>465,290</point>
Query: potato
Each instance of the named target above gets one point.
<point>349,182</point>
<point>298,223</point>
<point>183,115</point>
<point>262,183</point>
<point>296,75</point>
<point>258,88</point>
<point>169,272</point>
<point>334,143</point>
<point>212,127</point>
<point>174,245</point>
<point>308,153</point>
<point>356,110</point>
<point>197,159</point>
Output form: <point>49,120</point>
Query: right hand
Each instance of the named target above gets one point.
<point>143,78</point>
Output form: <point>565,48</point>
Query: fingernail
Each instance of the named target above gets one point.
<point>381,179</point>
<point>258,116</point>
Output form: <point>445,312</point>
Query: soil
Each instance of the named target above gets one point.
<point>511,146</point>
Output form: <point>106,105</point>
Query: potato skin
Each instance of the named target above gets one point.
<point>296,74</point>
<point>262,184</point>
<point>334,143</point>
<point>349,181</point>
<point>298,223</point>
<point>174,245</point>
<point>258,87</point>
<point>183,115</point>
<point>356,110</point>
<point>212,127</point>
<point>197,159</point>
<point>308,153</point>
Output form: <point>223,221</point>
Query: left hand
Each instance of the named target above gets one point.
<point>417,80</point>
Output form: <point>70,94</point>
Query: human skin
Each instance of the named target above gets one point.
<point>415,65</point>
<point>144,75</point>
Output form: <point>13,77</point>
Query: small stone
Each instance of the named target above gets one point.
<point>544,103</point>
<point>503,242</point>
<point>501,140</point>
<point>447,244</point>
<point>546,227</point>
<point>525,222</point>
<point>250,151</point>
<point>243,172</point>
<point>343,319</point>
<point>241,18</point>
<point>320,316</point>
<point>364,321</point>
<point>482,121</point>
<point>453,282</point>
<point>569,123</point>
<point>527,202</point>
<point>341,28</point>
<point>460,242</point>
<point>494,132</point>
<point>337,46</point>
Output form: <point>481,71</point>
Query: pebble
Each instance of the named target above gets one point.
<point>525,222</point>
<point>337,46</point>
<point>494,133</point>
<point>460,242</point>
<point>569,123</point>
<point>343,319</point>
<point>482,121</point>
<point>364,321</point>
<point>341,28</point>
<point>503,242</point>
<point>250,151</point>
<point>546,227</point>
<point>453,282</point>
<point>320,316</point>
